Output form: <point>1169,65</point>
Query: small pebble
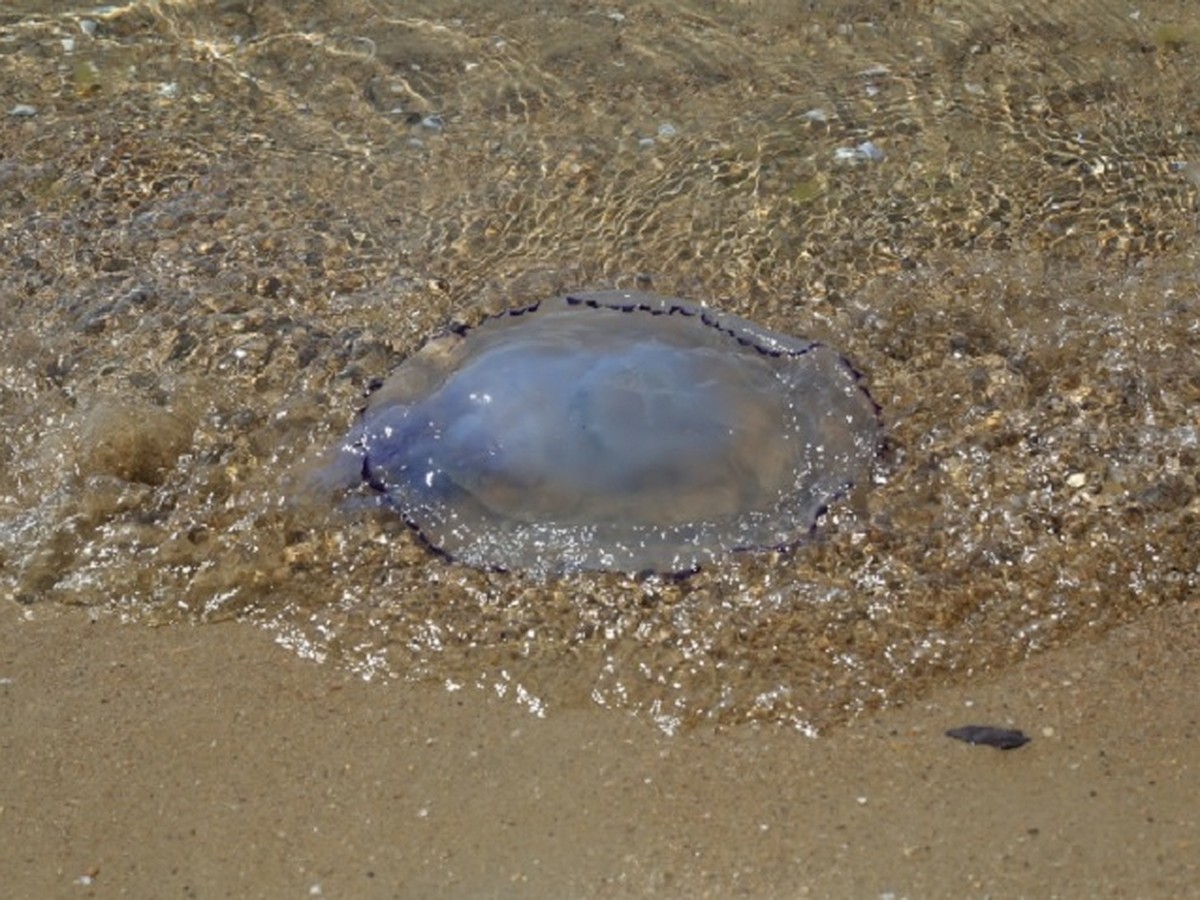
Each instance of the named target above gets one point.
<point>867,151</point>
<point>23,110</point>
<point>1000,738</point>
<point>433,123</point>
<point>667,130</point>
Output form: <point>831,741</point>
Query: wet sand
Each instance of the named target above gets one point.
<point>203,761</point>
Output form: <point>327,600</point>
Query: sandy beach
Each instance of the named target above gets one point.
<point>206,762</point>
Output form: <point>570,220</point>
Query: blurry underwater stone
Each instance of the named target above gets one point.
<point>615,431</point>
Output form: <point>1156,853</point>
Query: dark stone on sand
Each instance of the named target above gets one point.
<point>1000,738</point>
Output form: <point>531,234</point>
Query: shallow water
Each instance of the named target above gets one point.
<point>220,222</point>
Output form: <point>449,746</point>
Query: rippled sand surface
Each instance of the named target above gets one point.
<point>221,222</point>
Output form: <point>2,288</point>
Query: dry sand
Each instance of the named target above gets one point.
<point>203,761</point>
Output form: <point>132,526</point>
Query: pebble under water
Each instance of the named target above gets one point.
<point>219,226</point>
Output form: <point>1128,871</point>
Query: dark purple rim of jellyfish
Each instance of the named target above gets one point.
<point>743,331</point>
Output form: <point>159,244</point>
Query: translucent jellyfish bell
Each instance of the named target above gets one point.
<point>618,431</point>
